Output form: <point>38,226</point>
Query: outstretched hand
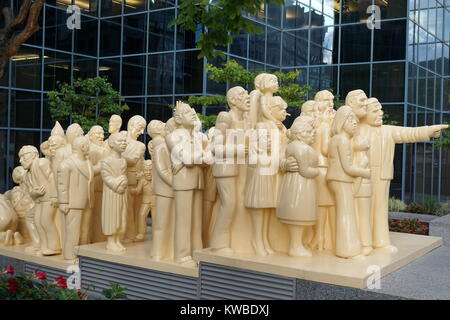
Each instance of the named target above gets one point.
<point>435,131</point>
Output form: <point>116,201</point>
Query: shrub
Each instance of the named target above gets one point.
<point>396,205</point>
<point>415,207</point>
<point>413,226</point>
<point>444,209</point>
<point>431,205</point>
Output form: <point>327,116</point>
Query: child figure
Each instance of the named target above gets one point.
<point>144,187</point>
<point>297,196</point>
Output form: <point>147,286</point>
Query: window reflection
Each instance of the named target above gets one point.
<point>239,45</point>
<point>134,5</point>
<point>355,11</point>
<point>389,41</point>
<point>133,76</point>
<point>25,109</point>
<point>86,42</point>
<point>354,77</point>
<point>26,68</point>
<point>57,35</point>
<point>134,34</point>
<point>136,107</point>
<point>84,67</point>
<point>87,6</point>
<point>57,67</point>
<point>295,48</point>
<point>273,46</point>
<point>111,7</point>
<point>323,78</point>
<point>323,41</point>
<point>296,14</point>
<point>188,72</point>
<point>160,73</point>
<point>109,37</point>
<point>388,81</point>
<point>355,43</point>
<point>158,108</point>
<point>3,108</point>
<point>257,48</point>
<point>110,68</point>
<point>161,37</point>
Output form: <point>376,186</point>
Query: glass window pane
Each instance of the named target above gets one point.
<point>355,43</point>
<point>133,76</point>
<point>257,45</point>
<point>412,84</point>
<point>57,67</point>
<point>3,155</point>
<point>134,5</point>
<point>134,33</point>
<point>273,46</point>
<point>324,46</point>
<point>136,108</point>
<point>86,38</point>
<point>323,78</point>
<point>18,139</point>
<point>158,108</point>
<point>111,7</point>
<point>3,108</point>
<point>25,109</point>
<point>57,35</point>
<point>84,67</point>
<point>392,9</point>
<point>239,45</point>
<point>159,4</point>
<point>430,90</point>
<point>422,87</point>
<point>110,68</point>
<point>355,11</point>
<point>89,7</point>
<point>354,77</point>
<point>188,72</point>
<point>274,15</point>
<point>160,73</point>
<point>109,37</point>
<point>161,37</point>
<point>26,68</point>
<point>389,42</point>
<point>296,14</point>
<point>388,82</point>
<point>295,48</point>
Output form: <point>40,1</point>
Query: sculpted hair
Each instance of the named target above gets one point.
<point>349,99</point>
<point>136,120</point>
<point>308,106</point>
<point>93,129</point>
<point>155,127</point>
<point>79,142</point>
<point>323,95</point>
<point>341,116</point>
<point>115,136</point>
<point>300,124</point>
<point>18,173</point>
<point>232,92</point>
<point>265,77</point>
<point>73,131</point>
<point>28,149</point>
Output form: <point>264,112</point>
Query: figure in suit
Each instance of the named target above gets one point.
<point>75,194</point>
<point>163,218</point>
<point>187,154</point>
<point>42,189</point>
<point>382,140</point>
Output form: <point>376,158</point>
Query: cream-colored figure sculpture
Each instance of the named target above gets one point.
<point>45,149</point>
<point>23,206</point>
<point>73,131</point>
<point>114,125</point>
<point>162,222</point>
<point>226,168</point>
<point>97,152</point>
<point>41,186</point>
<point>209,197</point>
<point>8,223</point>
<point>297,204</point>
<point>75,194</point>
<point>309,109</point>
<point>114,202</point>
<point>382,139</point>
<point>144,188</point>
<point>340,176</point>
<point>325,200</point>
<point>262,178</point>
<point>187,154</point>
<point>134,154</point>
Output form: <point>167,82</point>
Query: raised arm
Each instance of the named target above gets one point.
<point>414,134</point>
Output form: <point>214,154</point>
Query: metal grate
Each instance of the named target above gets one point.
<point>221,282</point>
<point>52,273</point>
<point>8,261</point>
<point>140,283</point>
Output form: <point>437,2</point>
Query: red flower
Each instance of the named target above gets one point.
<point>40,275</point>
<point>80,294</point>
<point>12,286</point>
<point>62,282</point>
<point>10,270</point>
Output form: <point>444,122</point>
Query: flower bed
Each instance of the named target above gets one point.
<point>413,226</point>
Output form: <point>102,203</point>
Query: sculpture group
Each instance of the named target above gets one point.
<point>249,185</point>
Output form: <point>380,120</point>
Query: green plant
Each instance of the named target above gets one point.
<point>431,204</point>
<point>396,205</point>
<point>207,121</point>
<point>415,207</point>
<point>444,209</point>
<point>408,226</point>
<point>115,292</point>
<point>88,102</point>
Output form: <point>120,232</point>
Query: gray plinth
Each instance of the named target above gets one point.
<point>140,283</point>
<point>440,227</point>
<point>30,268</point>
<point>8,261</point>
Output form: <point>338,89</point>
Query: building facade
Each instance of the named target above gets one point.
<point>403,60</point>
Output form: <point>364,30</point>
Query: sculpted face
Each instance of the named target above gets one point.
<point>137,130</point>
<point>96,136</point>
<point>350,124</point>
<point>26,160</point>
<point>114,124</point>
<point>308,134</point>
<point>359,105</point>
<point>374,115</point>
<point>120,144</point>
<point>188,118</point>
<point>54,143</point>
<point>241,100</point>
<point>279,112</point>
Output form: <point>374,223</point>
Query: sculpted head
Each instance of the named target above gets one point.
<point>54,143</point>
<point>258,81</point>
<point>73,131</point>
<point>115,123</point>
<point>303,130</point>
<point>147,168</point>
<point>278,108</point>
<point>357,100</point>
<point>374,113</point>
<point>136,126</point>
<point>309,109</point>
<point>118,141</point>
<point>81,145</point>
<point>96,135</point>
<point>27,155</point>
<point>171,125</point>
<point>268,83</point>
<point>344,121</point>
<point>156,128</point>
<point>238,98</point>
<point>325,96</point>
<point>184,116</point>
<point>18,174</point>
<point>45,149</point>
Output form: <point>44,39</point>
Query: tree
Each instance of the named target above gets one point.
<point>11,37</point>
<point>88,102</point>
<point>219,20</point>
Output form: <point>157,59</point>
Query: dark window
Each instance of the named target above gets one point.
<point>355,11</point>
<point>86,41</point>
<point>25,109</point>
<point>188,72</point>
<point>389,41</point>
<point>136,108</point>
<point>26,68</point>
<point>392,9</point>
<point>324,46</point>
<point>295,48</point>
<point>273,46</point>
<point>18,139</point>
<point>239,45</point>
<point>111,8</point>
<point>134,5</point>
<point>89,7</point>
<point>3,156</point>
<point>110,37</point>
<point>412,84</point>
<point>133,76</point>
<point>422,87</point>
<point>354,77</point>
<point>296,15</point>
<point>57,67</point>
<point>274,15</point>
<point>158,108</point>
<point>134,33</point>
<point>388,82</point>
<point>323,78</point>
<point>57,35</point>
<point>160,73</point>
<point>84,67</point>
<point>3,108</point>
<point>159,4</point>
<point>257,45</point>
<point>110,68</point>
<point>161,37</point>
<point>355,43</point>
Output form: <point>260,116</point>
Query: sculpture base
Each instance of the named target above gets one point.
<point>133,269</point>
<point>325,267</point>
